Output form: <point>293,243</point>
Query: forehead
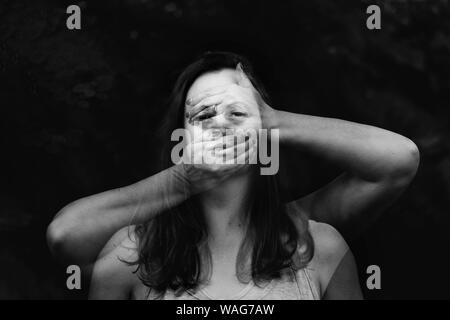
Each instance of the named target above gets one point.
<point>212,79</point>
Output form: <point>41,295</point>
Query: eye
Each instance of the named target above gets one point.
<point>238,114</point>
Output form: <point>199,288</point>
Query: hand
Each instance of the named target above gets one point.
<point>210,161</point>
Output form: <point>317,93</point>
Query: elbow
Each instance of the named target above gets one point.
<point>406,164</point>
<point>58,237</point>
<point>411,159</point>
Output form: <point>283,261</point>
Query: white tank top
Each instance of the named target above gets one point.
<point>293,285</point>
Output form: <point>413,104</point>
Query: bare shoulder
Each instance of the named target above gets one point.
<point>329,243</point>
<point>113,276</point>
<point>330,248</point>
<point>334,264</point>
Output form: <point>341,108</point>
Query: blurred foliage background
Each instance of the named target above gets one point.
<point>79,110</point>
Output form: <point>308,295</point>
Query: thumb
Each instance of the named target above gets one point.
<point>243,80</point>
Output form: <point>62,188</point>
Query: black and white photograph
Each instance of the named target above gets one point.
<point>225,150</point>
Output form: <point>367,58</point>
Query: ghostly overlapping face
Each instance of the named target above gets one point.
<point>223,123</point>
<point>224,116</point>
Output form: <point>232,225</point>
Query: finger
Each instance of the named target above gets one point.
<point>240,163</point>
<point>190,114</point>
<point>244,158</point>
<point>205,103</point>
<point>204,113</point>
<point>241,135</point>
<point>237,154</point>
<point>243,80</point>
<point>218,140</point>
<point>192,101</point>
<point>214,144</point>
<point>212,134</point>
<point>233,151</point>
<point>227,148</point>
<point>230,101</point>
<point>249,157</point>
<point>252,154</point>
<point>223,143</point>
<point>235,141</point>
<point>240,143</point>
<point>206,135</point>
<point>193,153</point>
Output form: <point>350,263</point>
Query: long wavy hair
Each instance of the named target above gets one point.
<point>172,249</point>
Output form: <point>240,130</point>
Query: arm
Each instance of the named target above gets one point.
<point>112,278</point>
<point>378,165</point>
<point>81,229</point>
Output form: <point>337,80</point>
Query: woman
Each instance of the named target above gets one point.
<point>220,231</point>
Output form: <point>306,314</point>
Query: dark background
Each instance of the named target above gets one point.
<point>79,110</point>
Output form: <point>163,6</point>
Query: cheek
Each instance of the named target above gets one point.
<point>253,123</point>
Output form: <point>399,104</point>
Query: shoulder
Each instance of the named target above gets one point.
<point>112,276</point>
<point>329,250</point>
<point>329,246</point>
<point>334,264</point>
<point>329,243</point>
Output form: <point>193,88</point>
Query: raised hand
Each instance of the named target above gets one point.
<point>211,160</point>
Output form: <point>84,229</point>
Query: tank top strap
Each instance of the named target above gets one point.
<point>306,286</point>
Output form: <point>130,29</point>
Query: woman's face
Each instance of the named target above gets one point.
<point>239,117</point>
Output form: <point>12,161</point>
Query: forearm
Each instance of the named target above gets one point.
<point>368,152</point>
<point>81,229</point>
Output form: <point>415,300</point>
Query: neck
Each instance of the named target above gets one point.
<point>225,208</point>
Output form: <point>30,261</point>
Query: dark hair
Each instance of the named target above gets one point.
<point>171,247</point>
